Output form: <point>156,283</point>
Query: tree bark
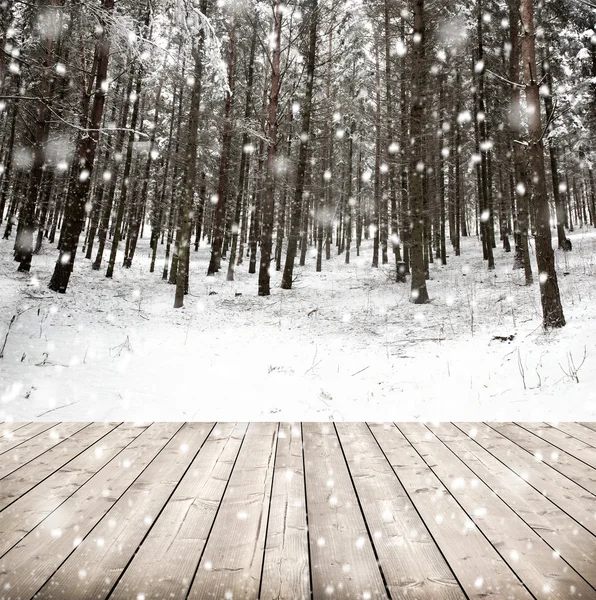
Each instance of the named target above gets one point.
<point>269,205</point>
<point>417,157</point>
<point>552,311</point>
<point>244,157</point>
<point>85,156</point>
<point>222,187</point>
<point>186,204</point>
<point>296,219</point>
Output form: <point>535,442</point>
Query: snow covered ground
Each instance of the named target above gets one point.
<point>345,344</point>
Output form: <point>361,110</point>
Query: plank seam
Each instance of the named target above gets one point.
<point>194,576</point>
<point>109,509</point>
<point>153,523</point>
<point>50,425</point>
<point>588,429</point>
<point>46,450</point>
<point>466,513</point>
<point>555,445</point>
<point>370,537</point>
<point>16,428</point>
<point>542,462</point>
<point>517,475</point>
<point>306,511</point>
<point>418,512</point>
<point>508,506</point>
<point>70,495</point>
<point>62,467</point>
<point>269,510</point>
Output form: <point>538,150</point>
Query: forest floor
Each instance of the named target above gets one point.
<point>344,344</point>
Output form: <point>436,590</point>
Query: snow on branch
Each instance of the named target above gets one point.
<point>193,21</point>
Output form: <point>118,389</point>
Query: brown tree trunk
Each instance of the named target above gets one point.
<point>185,215</point>
<point>296,218</point>
<point>522,247</point>
<point>222,187</point>
<point>417,156</point>
<point>85,157</point>
<point>244,156</point>
<point>269,205</point>
<point>552,310</point>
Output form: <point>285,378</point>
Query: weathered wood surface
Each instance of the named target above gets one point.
<point>297,511</point>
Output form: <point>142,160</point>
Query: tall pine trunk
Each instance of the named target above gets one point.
<point>417,157</point>
<point>298,200</point>
<point>552,311</point>
<point>185,213</point>
<point>84,160</point>
<point>269,205</point>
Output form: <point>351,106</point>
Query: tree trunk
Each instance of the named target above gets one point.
<point>296,219</point>
<point>269,205</point>
<point>222,187</point>
<point>417,156</point>
<point>522,247</point>
<point>552,310</point>
<point>126,182</point>
<point>85,157</point>
<point>377,185</point>
<point>24,242</point>
<point>244,157</point>
<point>186,204</point>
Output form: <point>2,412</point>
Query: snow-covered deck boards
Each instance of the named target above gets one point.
<point>321,510</point>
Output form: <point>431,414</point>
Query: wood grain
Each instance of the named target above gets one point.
<point>527,554</point>
<point>555,457</point>
<point>233,557</point>
<point>411,561</point>
<point>113,542</point>
<point>47,546</point>
<point>573,543</point>
<point>19,482</point>
<point>286,569</point>
<point>561,491</point>
<point>27,451</point>
<point>166,562</point>
<point>14,438</point>
<point>343,562</point>
<point>478,567</point>
<point>33,507</point>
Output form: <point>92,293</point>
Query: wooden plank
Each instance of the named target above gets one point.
<point>573,543</point>
<point>585,434</point>
<point>18,519</point>
<point>166,562</point>
<point>27,451</point>
<point>232,560</point>
<point>553,456</point>
<point>563,441</point>
<point>19,482</point>
<point>50,543</point>
<point>590,425</point>
<point>7,428</point>
<point>566,494</point>
<point>526,553</point>
<point>412,563</point>
<point>286,572</point>
<point>343,562</point>
<point>13,438</point>
<point>96,564</point>
<point>479,568</point>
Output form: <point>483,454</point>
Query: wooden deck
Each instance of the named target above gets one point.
<point>290,511</point>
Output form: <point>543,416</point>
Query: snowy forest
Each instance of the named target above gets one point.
<point>353,202</point>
